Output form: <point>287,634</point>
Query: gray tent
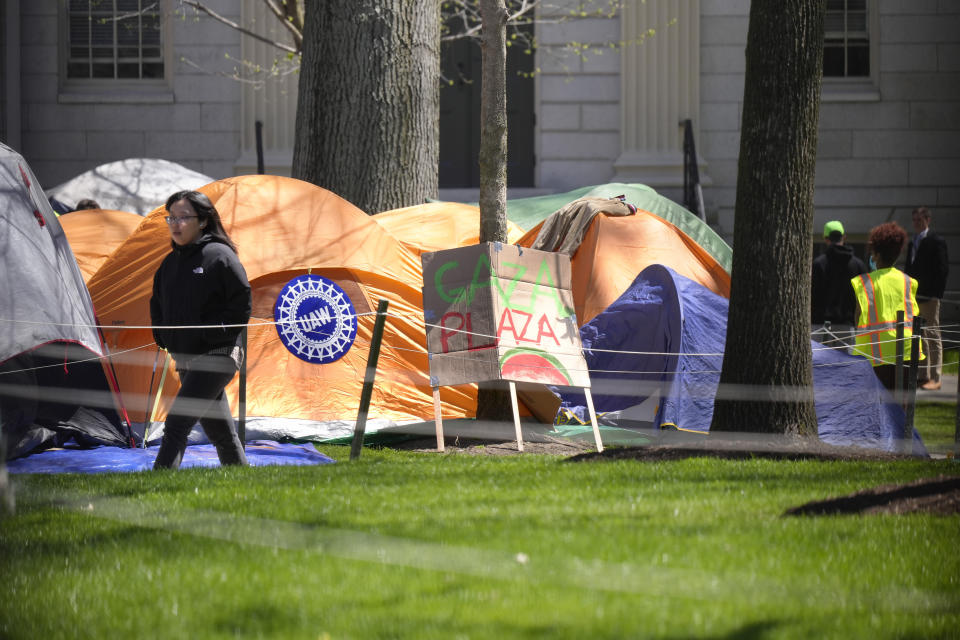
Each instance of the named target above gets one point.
<point>137,185</point>
<point>47,324</point>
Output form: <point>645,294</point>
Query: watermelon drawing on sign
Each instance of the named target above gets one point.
<point>533,365</point>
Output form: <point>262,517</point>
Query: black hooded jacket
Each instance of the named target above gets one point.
<point>199,284</point>
<point>832,298</point>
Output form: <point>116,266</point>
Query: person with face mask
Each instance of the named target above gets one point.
<point>880,295</point>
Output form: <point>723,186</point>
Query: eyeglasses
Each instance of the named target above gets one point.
<point>172,220</point>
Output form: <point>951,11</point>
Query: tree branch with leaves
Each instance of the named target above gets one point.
<point>288,12</point>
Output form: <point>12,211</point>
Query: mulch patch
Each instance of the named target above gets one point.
<point>940,495</point>
<point>800,450</point>
<point>541,445</point>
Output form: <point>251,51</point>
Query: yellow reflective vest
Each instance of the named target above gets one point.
<point>881,294</point>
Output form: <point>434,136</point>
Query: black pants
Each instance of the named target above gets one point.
<point>201,398</point>
<point>887,374</point>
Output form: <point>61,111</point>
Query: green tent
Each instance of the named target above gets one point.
<point>529,212</point>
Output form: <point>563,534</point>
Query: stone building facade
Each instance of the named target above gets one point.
<point>610,112</point>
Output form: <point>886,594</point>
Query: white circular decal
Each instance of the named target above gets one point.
<point>315,319</point>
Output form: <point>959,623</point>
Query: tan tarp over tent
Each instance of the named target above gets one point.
<point>615,249</point>
<point>285,228</point>
<point>95,233</point>
<point>438,225</point>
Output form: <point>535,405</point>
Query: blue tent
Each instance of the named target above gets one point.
<point>661,343</point>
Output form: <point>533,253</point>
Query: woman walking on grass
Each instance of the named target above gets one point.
<point>200,284</point>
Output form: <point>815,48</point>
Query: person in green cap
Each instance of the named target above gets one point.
<point>833,305</point>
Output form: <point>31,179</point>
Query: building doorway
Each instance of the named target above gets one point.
<point>460,115</point>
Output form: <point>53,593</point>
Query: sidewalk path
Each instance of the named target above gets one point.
<point>946,393</point>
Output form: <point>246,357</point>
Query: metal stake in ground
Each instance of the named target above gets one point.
<point>368,379</point>
<point>911,394</point>
<point>242,392</point>
<point>898,385</point>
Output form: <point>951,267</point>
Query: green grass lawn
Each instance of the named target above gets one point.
<point>936,421</point>
<point>937,424</point>
<point>951,361</point>
<point>403,544</point>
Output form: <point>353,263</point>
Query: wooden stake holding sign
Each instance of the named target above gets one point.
<point>516,415</point>
<point>593,418</point>
<point>438,418</point>
<point>501,312</point>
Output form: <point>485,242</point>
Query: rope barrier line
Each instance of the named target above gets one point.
<point>667,353</point>
<point>417,351</point>
<point>261,322</point>
<point>81,361</point>
<point>258,322</point>
<point>705,391</point>
<point>450,356</point>
<point>943,327</point>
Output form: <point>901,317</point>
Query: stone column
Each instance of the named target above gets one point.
<point>660,87</point>
<point>274,102</point>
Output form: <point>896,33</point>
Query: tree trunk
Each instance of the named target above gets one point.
<point>766,381</point>
<point>368,106</point>
<point>493,402</point>
<point>493,122</point>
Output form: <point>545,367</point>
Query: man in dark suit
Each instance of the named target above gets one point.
<point>927,264</point>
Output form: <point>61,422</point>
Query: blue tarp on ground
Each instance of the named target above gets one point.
<point>676,329</point>
<point>116,459</point>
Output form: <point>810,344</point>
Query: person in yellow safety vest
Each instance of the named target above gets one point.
<point>880,295</point>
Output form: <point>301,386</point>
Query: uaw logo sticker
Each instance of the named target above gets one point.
<point>315,319</point>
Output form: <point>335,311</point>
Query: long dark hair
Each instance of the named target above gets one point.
<point>206,212</point>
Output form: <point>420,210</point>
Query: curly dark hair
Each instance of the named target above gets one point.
<point>887,241</point>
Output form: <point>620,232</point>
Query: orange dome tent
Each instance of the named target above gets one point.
<point>95,233</point>
<point>285,228</point>
<point>617,248</point>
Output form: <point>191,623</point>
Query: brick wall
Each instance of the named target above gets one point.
<point>195,123</point>
<point>578,112</point>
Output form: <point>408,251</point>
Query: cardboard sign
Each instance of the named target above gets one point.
<point>501,312</point>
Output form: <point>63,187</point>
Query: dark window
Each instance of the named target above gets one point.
<point>116,39</point>
<point>460,113</point>
<point>846,44</point>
